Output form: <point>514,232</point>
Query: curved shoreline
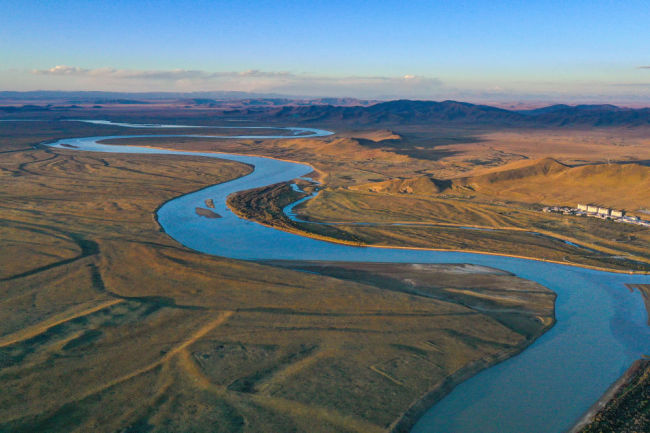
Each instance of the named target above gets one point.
<point>343,242</point>
<point>410,417</point>
<point>358,244</point>
<point>600,407</point>
<point>545,233</point>
<point>422,404</point>
<point>435,258</point>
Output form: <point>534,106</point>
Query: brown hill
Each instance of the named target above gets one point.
<point>515,170</point>
<point>422,185</point>
<point>547,181</point>
<point>544,181</point>
<point>377,135</point>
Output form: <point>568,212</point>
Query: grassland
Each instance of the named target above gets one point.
<point>109,325</point>
<point>467,151</point>
<point>358,217</point>
<point>542,181</point>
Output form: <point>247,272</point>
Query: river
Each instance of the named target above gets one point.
<point>601,326</point>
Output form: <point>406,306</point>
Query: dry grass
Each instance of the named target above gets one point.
<point>108,325</point>
<point>491,149</point>
<point>340,159</point>
<point>623,186</point>
<point>436,222</point>
<point>542,181</point>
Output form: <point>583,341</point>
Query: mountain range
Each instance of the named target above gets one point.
<point>419,112</point>
<point>266,107</point>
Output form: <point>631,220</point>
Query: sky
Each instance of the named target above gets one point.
<point>513,51</point>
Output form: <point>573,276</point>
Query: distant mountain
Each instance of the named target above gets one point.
<point>268,107</point>
<point>544,110</point>
<point>113,101</point>
<point>340,101</point>
<point>594,115</point>
<point>193,98</point>
<point>422,112</point>
<point>400,111</point>
<point>563,108</point>
<point>91,96</point>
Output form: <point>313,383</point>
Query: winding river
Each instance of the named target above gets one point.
<point>601,325</point>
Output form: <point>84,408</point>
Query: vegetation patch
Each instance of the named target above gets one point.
<point>628,411</point>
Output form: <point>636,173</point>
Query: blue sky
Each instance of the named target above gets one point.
<point>473,50</point>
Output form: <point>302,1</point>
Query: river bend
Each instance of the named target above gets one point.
<point>601,326</point>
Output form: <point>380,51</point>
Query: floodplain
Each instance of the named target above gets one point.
<point>103,308</point>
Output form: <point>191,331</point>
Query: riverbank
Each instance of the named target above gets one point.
<point>644,289</point>
<point>285,224</point>
<point>414,413</point>
<point>586,241</point>
<point>477,285</point>
<point>624,407</point>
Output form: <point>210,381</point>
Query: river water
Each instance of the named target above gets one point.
<point>601,326</point>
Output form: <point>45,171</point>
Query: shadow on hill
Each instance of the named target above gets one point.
<point>429,149</point>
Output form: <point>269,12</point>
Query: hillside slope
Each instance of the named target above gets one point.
<point>421,185</point>
<point>549,182</point>
<point>455,112</point>
<point>544,181</point>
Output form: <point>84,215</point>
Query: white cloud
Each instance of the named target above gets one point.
<point>253,80</point>
<point>288,83</point>
<point>62,70</point>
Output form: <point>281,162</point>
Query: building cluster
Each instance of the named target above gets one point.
<point>594,211</point>
<point>603,212</point>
